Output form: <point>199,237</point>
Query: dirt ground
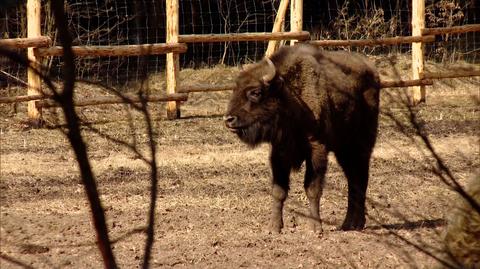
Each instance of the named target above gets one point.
<point>213,200</point>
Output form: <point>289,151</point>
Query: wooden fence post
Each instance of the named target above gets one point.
<point>277,27</point>
<point>173,62</point>
<point>417,93</point>
<point>296,17</point>
<point>34,81</point>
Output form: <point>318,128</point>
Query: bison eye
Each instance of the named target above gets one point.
<point>254,95</point>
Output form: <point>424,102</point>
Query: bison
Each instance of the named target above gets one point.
<point>307,102</point>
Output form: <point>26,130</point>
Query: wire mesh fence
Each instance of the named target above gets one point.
<point>124,22</point>
<point>12,24</point>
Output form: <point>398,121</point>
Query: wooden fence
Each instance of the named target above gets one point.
<point>40,46</point>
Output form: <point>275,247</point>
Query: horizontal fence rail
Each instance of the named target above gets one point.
<point>454,74</point>
<point>191,88</point>
<point>122,50</point>
<point>374,42</point>
<point>125,99</point>
<point>405,83</point>
<point>101,100</point>
<point>23,98</point>
<point>303,35</point>
<point>206,88</point>
<point>231,86</point>
<point>23,43</point>
<point>452,30</point>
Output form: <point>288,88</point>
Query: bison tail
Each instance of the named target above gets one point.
<point>371,94</point>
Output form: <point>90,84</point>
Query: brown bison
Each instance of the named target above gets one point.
<point>307,102</point>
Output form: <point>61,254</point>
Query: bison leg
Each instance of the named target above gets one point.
<point>314,179</point>
<point>281,173</point>
<point>355,164</point>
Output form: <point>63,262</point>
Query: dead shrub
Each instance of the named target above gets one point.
<point>444,13</point>
<point>462,242</point>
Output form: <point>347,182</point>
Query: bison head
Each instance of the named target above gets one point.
<point>252,113</point>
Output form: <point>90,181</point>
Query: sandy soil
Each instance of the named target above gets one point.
<point>213,201</point>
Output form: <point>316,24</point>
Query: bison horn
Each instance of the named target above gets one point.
<point>270,71</point>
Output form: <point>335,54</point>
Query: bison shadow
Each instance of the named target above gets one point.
<point>406,225</point>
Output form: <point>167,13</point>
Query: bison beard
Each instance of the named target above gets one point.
<point>306,103</point>
<point>253,134</point>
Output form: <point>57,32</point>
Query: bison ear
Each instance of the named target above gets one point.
<point>270,71</point>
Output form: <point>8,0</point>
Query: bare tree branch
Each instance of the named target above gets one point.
<point>66,100</point>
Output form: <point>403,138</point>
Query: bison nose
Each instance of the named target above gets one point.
<point>230,120</point>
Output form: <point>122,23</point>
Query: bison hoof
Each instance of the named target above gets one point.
<point>353,225</point>
<point>275,226</point>
<point>316,227</point>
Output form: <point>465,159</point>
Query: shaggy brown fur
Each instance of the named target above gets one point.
<point>307,102</point>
